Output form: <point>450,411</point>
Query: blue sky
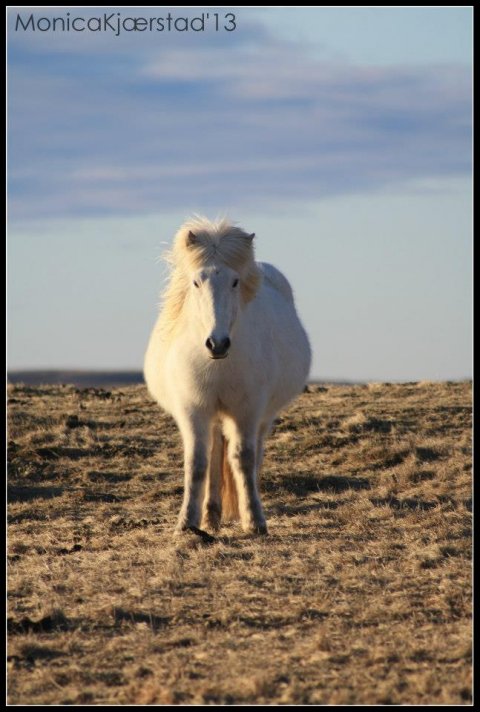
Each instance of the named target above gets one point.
<point>340,136</point>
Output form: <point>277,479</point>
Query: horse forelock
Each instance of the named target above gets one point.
<point>212,243</point>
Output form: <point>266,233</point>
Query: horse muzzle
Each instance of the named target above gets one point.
<point>218,348</point>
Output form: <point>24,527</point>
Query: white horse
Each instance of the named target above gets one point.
<point>227,352</point>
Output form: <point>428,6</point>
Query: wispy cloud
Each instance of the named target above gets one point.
<point>211,122</point>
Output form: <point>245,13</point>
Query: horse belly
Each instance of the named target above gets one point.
<point>286,351</point>
<point>154,370</point>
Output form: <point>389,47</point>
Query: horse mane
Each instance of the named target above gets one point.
<point>199,243</point>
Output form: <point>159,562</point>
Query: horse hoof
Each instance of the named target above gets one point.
<point>257,530</point>
<point>205,537</point>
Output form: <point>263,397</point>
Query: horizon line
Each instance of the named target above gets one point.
<point>131,376</point>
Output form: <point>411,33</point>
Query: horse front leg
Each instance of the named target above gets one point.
<point>242,455</point>
<point>263,431</point>
<point>195,444</point>
<point>212,505</point>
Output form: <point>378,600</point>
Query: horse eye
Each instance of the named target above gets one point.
<point>235,282</point>
<point>196,284</point>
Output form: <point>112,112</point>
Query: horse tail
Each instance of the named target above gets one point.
<point>228,489</point>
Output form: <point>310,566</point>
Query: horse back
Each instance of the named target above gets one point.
<point>274,278</point>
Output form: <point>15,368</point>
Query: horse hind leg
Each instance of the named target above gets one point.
<point>212,504</point>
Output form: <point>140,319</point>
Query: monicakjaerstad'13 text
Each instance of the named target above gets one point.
<point>115,23</point>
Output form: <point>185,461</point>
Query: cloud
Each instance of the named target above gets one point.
<point>214,122</point>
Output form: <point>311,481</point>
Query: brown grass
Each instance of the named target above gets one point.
<point>361,594</point>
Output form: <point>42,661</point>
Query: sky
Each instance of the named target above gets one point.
<point>341,136</point>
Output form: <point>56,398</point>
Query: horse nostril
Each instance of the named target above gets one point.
<point>218,348</point>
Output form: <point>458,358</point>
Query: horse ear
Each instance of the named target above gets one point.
<point>250,237</point>
<point>191,238</point>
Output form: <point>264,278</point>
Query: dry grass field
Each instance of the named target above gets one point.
<point>361,593</point>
